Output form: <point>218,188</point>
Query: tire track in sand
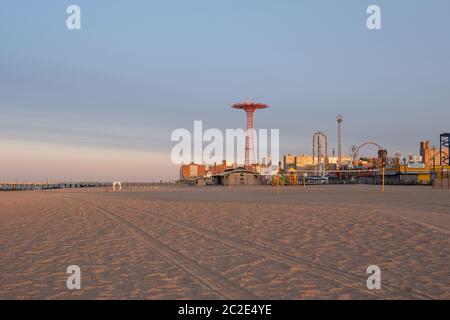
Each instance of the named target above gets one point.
<point>213,281</point>
<point>319,270</point>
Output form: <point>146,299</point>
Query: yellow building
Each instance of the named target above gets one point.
<point>335,160</point>
<point>288,161</point>
<point>424,172</point>
<point>304,161</point>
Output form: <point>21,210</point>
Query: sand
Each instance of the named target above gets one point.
<point>212,243</point>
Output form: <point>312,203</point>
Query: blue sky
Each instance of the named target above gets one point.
<point>137,70</point>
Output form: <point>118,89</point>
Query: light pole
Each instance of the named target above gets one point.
<point>432,178</point>
<point>340,120</point>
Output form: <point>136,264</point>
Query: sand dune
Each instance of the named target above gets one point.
<point>212,243</point>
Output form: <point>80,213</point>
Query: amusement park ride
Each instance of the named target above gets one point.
<point>320,153</point>
<point>357,149</point>
<point>250,108</point>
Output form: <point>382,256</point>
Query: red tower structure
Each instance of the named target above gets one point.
<point>250,108</point>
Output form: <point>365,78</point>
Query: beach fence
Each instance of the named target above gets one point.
<point>441,183</point>
<point>23,186</point>
<point>139,186</point>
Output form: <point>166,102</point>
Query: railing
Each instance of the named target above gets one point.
<point>22,186</point>
<point>441,183</point>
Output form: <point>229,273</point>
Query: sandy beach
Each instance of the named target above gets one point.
<point>215,243</point>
